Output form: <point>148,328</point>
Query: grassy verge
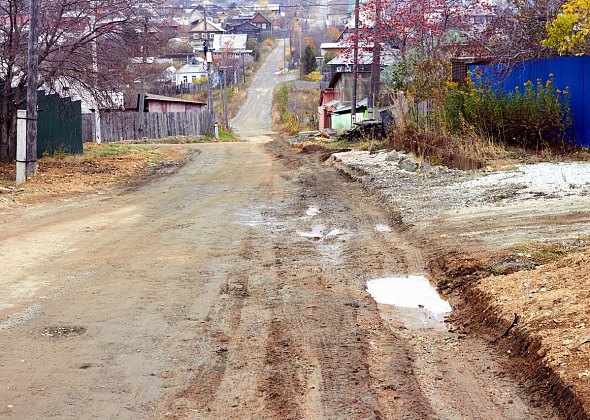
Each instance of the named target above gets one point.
<point>100,167</point>
<point>224,136</point>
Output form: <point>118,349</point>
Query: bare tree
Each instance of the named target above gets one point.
<point>82,42</point>
<point>517,30</point>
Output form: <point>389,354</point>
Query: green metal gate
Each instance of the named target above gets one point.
<point>59,125</point>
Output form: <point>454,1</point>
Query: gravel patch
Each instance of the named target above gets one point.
<point>420,191</point>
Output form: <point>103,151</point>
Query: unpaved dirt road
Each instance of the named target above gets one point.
<point>230,288</point>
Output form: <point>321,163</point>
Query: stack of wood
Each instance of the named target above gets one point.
<point>368,129</point>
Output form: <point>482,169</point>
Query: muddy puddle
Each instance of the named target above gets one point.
<point>414,298</point>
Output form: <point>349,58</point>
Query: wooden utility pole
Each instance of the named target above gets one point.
<point>97,120</point>
<point>141,104</point>
<point>223,94</point>
<point>209,59</point>
<point>32,82</point>
<point>376,65</point>
<point>355,57</point>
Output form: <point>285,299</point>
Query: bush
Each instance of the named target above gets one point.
<point>294,109</point>
<point>308,62</point>
<point>314,76</point>
<point>532,116</point>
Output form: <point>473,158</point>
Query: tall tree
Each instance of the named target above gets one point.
<point>423,33</point>
<point>309,62</point>
<point>516,32</point>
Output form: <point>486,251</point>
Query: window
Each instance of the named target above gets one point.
<point>204,35</point>
<point>211,36</point>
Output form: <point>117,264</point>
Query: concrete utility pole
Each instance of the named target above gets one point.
<point>32,81</point>
<point>355,63</point>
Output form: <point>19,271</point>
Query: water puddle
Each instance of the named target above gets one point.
<point>414,292</point>
<point>312,211</point>
<point>382,228</point>
<point>317,233</point>
<point>260,217</point>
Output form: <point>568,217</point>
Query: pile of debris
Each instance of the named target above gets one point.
<point>368,129</point>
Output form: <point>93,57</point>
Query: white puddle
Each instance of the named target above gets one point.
<point>317,233</point>
<point>409,292</point>
<point>333,233</point>
<point>312,211</point>
<point>260,217</point>
<point>382,228</point>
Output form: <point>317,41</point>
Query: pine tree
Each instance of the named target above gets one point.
<point>309,63</point>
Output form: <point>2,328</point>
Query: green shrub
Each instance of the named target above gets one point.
<point>532,116</point>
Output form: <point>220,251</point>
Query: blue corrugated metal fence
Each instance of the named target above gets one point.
<point>570,72</point>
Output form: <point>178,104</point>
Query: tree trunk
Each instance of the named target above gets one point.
<point>5,155</point>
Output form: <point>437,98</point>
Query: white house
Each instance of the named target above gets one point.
<point>191,72</point>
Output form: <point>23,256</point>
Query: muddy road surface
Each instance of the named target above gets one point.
<point>233,287</point>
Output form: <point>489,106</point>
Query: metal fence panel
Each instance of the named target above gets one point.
<point>568,72</point>
<point>59,125</point>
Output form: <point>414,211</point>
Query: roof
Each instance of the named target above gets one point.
<point>345,109</point>
<point>331,45</point>
<point>242,18</point>
<point>224,41</point>
<point>246,25</point>
<point>199,66</point>
<point>211,27</point>
<point>259,17</point>
<point>159,98</point>
<point>365,57</point>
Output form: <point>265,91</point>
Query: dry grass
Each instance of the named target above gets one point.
<point>102,166</point>
<point>294,109</point>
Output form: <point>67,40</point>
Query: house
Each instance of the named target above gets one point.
<point>340,117</point>
<point>336,100</point>
<point>157,103</point>
<point>191,72</point>
<point>67,87</point>
<point>251,31</point>
<point>329,100</point>
<point>167,77</point>
<point>262,22</point>
<point>195,16</point>
<point>197,31</point>
<point>335,48</point>
<point>171,27</point>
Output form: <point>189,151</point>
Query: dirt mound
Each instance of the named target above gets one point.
<point>311,148</point>
<point>456,269</point>
<point>538,314</point>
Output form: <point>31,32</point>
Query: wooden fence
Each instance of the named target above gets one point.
<point>183,88</point>
<point>117,126</point>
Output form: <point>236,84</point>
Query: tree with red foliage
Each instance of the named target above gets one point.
<point>416,30</point>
